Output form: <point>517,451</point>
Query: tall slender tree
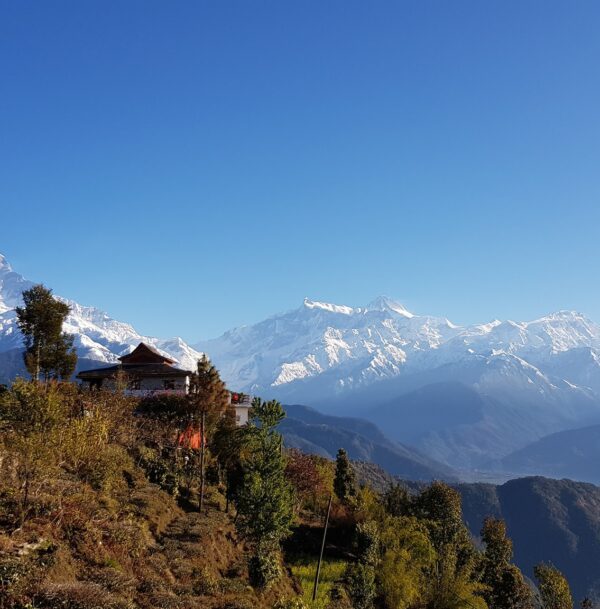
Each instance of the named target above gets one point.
<point>265,498</point>
<point>344,483</point>
<point>505,586</point>
<point>49,351</point>
<point>208,400</point>
<point>208,393</point>
<point>553,586</point>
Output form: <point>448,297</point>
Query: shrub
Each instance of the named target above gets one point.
<point>264,567</point>
<point>367,543</point>
<point>205,583</point>
<point>360,583</point>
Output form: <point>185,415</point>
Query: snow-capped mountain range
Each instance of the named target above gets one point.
<point>355,347</point>
<point>98,337</point>
<point>466,396</point>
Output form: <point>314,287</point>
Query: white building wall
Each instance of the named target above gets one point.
<point>241,415</point>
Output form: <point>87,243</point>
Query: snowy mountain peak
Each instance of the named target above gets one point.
<point>4,265</point>
<point>384,303</point>
<point>325,306</point>
<point>342,347</point>
<point>564,316</point>
<point>98,337</point>
<point>381,303</point>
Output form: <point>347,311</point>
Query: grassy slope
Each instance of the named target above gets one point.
<point>153,553</point>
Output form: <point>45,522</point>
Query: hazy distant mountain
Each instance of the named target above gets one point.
<point>555,521</point>
<point>313,432</point>
<point>574,453</point>
<point>98,337</point>
<point>467,396</point>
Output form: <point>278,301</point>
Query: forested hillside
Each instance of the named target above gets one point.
<point>313,432</point>
<point>549,520</point>
<point>107,502</point>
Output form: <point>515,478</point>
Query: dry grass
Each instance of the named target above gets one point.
<point>92,531</point>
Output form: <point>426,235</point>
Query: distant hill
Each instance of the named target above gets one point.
<point>313,432</point>
<point>573,454</point>
<point>556,521</point>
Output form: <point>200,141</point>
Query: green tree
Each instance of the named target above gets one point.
<point>505,586</point>
<point>553,586</point>
<point>344,483</point>
<point>440,505</point>
<point>453,581</point>
<point>367,543</point>
<point>397,501</point>
<point>264,500</point>
<point>227,444</point>
<point>49,351</point>
<point>208,393</point>
<point>452,586</point>
<point>360,584</point>
<point>407,560</point>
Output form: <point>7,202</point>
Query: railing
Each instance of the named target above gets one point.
<point>240,399</point>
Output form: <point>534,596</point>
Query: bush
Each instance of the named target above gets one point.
<point>264,567</point>
<point>205,583</point>
<point>338,598</point>
<point>367,543</point>
<point>360,583</point>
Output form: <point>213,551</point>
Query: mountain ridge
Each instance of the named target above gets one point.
<point>314,432</point>
<point>99,339</point>
<point>380,362</point>
<point>344,360</point>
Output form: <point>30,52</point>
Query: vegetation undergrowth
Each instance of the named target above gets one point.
<point>330,580</point>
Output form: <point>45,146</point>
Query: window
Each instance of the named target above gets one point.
<point>169,385</point>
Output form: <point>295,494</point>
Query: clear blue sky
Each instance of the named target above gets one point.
<point>191,166</point>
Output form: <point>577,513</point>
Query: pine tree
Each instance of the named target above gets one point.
<point>440,505</point>
<point>360,583</point>
<point>453,580</point>
<point>344,483</point>
<point>49,351</point>
<point>554,588</point>
<point>397,501</point>
<point>227,445</point>
<point>264,500</point>
<point>506,588</point>
<point>208,393</point>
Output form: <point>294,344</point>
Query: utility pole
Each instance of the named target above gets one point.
<point>37,361</point>
<point>202,420</point>
<point>316,586</point>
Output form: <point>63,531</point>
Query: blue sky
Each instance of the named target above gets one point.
<point>191,166</point>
